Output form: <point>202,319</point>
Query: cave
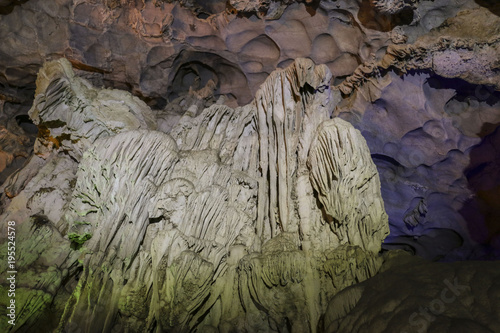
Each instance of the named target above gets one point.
<point>250,166</point>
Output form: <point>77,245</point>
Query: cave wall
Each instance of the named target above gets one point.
<point>221,166</point>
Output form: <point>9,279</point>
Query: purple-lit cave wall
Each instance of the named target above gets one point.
<point>434,141</point>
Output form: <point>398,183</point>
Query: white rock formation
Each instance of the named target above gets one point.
<point>348,187</point>
<point>71,114</point>
<point>250,217</point>
<point>389,7</point>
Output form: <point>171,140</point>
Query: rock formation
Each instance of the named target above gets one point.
<point>443,297</point>
<point>456,115</point>
<point>235,215</point>
<point>250,165</point>
<point>71,114</point>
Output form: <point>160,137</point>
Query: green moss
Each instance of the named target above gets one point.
<point>79,239</point>
<point>29,300</point>
<point>81,223</point>
<point>69,307</point>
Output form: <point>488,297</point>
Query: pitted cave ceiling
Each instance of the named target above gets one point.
<point>293,135</point>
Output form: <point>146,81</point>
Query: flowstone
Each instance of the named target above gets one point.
<point>237,219</point>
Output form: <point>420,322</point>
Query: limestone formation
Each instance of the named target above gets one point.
<point>237,166</point>
<point>270,10</point>
<point>393,6</point>
<point>430,166</point>
<point>336,176</point>
<point>448,50</point>
<point>215,224</point>
<point>416,215</point>
<point>71,114</point>
<point>442,69</point>
<point>159,49</point>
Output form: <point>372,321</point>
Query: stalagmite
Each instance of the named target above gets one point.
<point>217,222</point>
<point>348,186</point>
<point>71,114</point>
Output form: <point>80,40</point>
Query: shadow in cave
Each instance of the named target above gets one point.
<point>464,90</point>
<point>312,7</point>
<point>372,19</point>
<point>482,210</point>
<point>8,6</point>
<point>209,7</point>
<point>25,122</point>
<point>492,5</point>
<point>193,69</point>
<point>433,245</point>
<point>192,75</point>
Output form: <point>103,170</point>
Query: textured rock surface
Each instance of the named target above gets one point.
<point>465,47</point>
<point>14,146</point>
<point>354,217</point>
<point>431,297</point>
<point>428,156</point>
<point>17,134</point>
<point>71,114</point>
<point>216,225</point>
<point>206,215</point>
<point>158,49</point>
<point>430,165</point>
<point>389,7</point>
